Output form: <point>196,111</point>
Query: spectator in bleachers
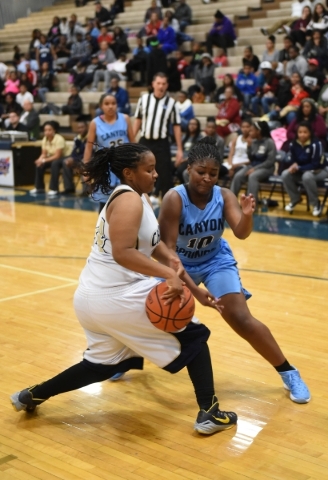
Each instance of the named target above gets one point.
<point>284,53</point>
<point>319,19</point>
<point>105,56</point>
<point>93,43</point>
<point>54,31</point>
<point>323,102</point>
<point>183,14</point>
<point>24,95</point>
<point>228,81</point>
<point>117,7</point>
<point>166,37</point>
<point>156,61</point>
<point>289,111</point>
<point>238,156</point>
<point>296,13</point>
<point>54,150</point>
<point>17,55</point>
<point>10,105</point>
<point>45,53</point>
<point>204,76</point>
<point>185,108</point>
<point>308,112</point>
<point>210,131</point>
<point>105,36</point>
<point>314,78</point>
<point>62,53</point>
<point>102,14</point>
<point>182,64</point>
<point>14,123</point>
<point>308,166</point>
<point>63,26</point>
<point>34,44</point>
<point>12,83</point>
<point>317,48</point>
<point>221,59</point>
<point>21,66</point>
<point>251,58</point>
<point>192,135</point>
<point>228,118</point>
<point>45,83</point>
<point>73,162</point>
<point>152,26</point>
<point>3,71</point>
<point>271,54</point>
<point>297,62</point>
<point>117,69</point>
<point>94,28</point>
<point>80,50</point>
<point>299,28</point>
<point>284,94</point>
<point>83,73</point>
<point>153,9</point>
<point>222,33</point>
<point>262,155</point>
<point>31,76</point>
<point>73,29</point>
<point>247,84</point>
<point>25,80</point>
<point>30,118</point>
<point>121,95</point>
<point>173,75</point>
<point>138,62</point>
<point>74,104</point>
<point>268,84</point>
<point>173,22</point>
<point>120,42</point>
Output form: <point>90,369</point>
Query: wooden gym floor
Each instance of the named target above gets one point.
<point>142,427</point>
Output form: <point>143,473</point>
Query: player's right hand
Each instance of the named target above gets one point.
<point>206,299</point>
<point>175,289</point>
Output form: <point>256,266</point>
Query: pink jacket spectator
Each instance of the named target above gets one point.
<point>12,87</point>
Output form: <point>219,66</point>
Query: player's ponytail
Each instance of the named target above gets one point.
<point>115,159</point>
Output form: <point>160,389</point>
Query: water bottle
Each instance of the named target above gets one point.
<point>264,205</point>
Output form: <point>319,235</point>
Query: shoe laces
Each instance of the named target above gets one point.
<point>296,383</point>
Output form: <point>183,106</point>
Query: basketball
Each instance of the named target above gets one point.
<point>172,317</point>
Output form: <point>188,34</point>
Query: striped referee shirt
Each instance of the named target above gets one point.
<point>156,114</point>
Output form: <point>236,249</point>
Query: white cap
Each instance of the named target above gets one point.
<point>267,65</point>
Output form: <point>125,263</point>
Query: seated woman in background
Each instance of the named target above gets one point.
<point>271,54</point>
<point>204,75</point>
<point>317,48</point>
<point>308,166</point>
<point>262,155</point>
<point>119,44</point>
<point>308,112</point>
<point>185,109</point>
<point>228,118</point>
<point>251,58</point>
<point>54,150</point>
<point>323,103</point>
<point>319,19</point>
<point>238,156</point>
<point>299,28</point>
<point>74,103</point>
<point>192,136</point>
<point>228,81</point>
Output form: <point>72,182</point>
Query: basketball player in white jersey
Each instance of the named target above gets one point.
<point>110,299</point>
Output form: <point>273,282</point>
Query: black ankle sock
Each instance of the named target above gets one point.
<point>201,374</point>
<point>82,374</point>
<point>284,367</point>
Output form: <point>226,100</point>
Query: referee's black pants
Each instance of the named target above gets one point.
<point>161,150</point>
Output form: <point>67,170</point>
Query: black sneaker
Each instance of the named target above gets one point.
<point>264,32</point>
<point>24,400</point>
<point>214,420</point>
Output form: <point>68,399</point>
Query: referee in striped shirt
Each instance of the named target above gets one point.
<point>153,115</point>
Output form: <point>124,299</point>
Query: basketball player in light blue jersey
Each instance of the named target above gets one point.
<point>191,222</point>
<point>108,130</point>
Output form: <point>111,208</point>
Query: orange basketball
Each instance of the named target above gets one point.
<point>172,317</point>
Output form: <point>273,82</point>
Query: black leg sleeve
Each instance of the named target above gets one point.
<point>201,374</point>
<point>83,374</point>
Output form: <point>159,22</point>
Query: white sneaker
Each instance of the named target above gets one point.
<point>316,212</point>
<point>35,191</point>
<point>52,193</point>
<point>290,207</point>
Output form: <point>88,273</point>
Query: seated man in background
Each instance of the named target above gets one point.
<point>153,9</point>
<point>138,63</point>
<point>314,79</point>
<point>166,37</point>
<point>121,95</point>
<point>222,33</point>
<point>102,14</point>
<point>14,123</point>
<point>105,56</point>
<point>73,162</point>
<point>24,95</point>
<point>183,14</point>
<point>74,104</point>
<point>247,83</point>
<point>31,120</point>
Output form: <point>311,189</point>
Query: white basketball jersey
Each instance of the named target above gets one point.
<point>101,270</point>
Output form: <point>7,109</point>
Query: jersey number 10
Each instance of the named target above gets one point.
<point>200,242</point>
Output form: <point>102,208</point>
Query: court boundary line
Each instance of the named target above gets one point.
<point>268,272</point>
<point>35,292</point>
<point>34,272</point>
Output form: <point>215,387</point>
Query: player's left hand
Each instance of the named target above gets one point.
<point>177,266</point>
<point>206,299</point>
<point>248,204</point>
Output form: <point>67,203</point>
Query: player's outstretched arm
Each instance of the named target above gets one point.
<point>239,217</point>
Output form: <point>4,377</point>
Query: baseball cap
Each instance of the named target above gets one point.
<point>313,61</point>
<point>154,42</point>
<point>265,65</point>
<point>206,55</point>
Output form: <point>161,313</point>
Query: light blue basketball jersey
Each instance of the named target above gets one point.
<point>200,231</point>
<point>110,135</point>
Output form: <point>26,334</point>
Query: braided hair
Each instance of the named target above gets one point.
<point>115,159</point>
<point>205,149</point>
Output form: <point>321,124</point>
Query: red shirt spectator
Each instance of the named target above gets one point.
<point>152,27</point>
<point>228,118</point>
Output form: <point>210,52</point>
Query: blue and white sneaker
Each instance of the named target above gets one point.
<point>116,377</point>
<point>299,392</point>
